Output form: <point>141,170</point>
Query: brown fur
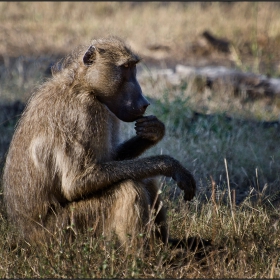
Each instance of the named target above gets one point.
<point>66,170</point>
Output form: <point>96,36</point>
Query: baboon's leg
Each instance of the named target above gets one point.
<point>133,209</point>
<point>160,219</point>
<point>122,208</point>
<point>130,211</point>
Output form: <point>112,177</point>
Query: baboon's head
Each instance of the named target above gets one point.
<point>111,75</point>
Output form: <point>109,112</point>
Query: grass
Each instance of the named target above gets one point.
<point>49,27</point>
<point>236,162</point>
<point>250,249</point>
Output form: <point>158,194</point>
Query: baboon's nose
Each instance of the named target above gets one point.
<point>145,103</point>
<point>145,106</point>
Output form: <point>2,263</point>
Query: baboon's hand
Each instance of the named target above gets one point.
<point>149,127</point>
<point>185,182</point>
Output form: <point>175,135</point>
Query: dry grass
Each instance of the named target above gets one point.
<point>246,246</point>
<point>57,27</point>
<point>238,210</point>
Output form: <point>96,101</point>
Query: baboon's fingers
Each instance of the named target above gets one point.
<point>152,123</point>
<point>152,129</point>
<point>188,196</point>
<point>146,118</point>
<point>191,192</point>
<point>147,130</point>
<point>188,188</point>
<point>149,122</point>
<point>151,136</point>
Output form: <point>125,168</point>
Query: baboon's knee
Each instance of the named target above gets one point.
<point>129,213</point>
<point>138,204</point>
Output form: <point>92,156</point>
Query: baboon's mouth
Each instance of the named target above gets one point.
<point>131,117</point>
<point>139,117</point>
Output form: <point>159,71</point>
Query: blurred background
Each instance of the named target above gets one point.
<point>162,33</point>
<point>207,119</point>
<point>165,31</point>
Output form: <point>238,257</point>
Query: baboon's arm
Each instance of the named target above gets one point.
<point>100,176</point>
<point>133,148</point>
<point>149,132</point>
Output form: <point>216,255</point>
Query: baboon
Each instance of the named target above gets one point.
<point>66,170</point>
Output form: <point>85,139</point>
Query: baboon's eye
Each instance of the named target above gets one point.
<point>126,65</point>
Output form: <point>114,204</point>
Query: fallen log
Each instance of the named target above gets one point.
<point>264,124</point>
<point>254,85</point>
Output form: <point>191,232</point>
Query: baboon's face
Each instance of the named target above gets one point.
<point>115,85</point>
<point>128,103</point>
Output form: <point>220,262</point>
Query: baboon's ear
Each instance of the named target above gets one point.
<point>90,55</point>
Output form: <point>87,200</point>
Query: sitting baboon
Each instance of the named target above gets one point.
<point>65,168</point>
